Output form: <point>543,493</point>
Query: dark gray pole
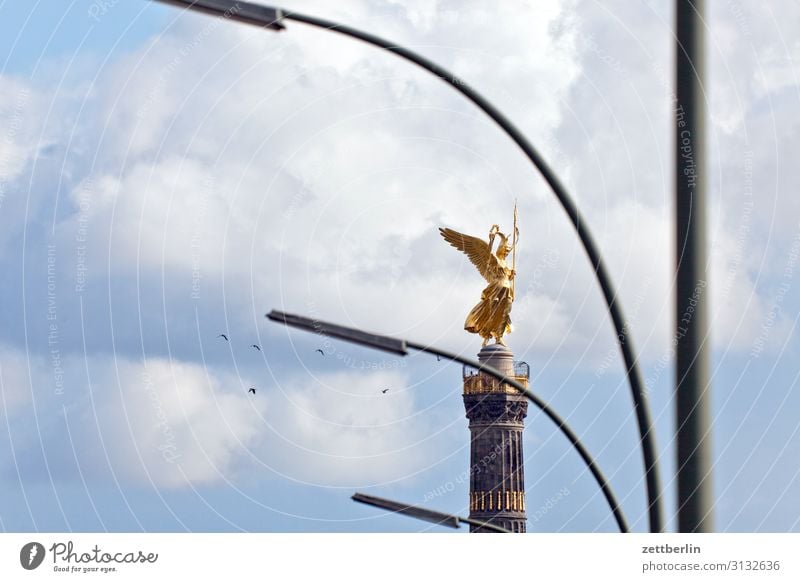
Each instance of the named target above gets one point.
<point>691,329</point>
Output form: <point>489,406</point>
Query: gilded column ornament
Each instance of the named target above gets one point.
<point>491,317</point>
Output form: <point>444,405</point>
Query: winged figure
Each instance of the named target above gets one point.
<point>491,318</point>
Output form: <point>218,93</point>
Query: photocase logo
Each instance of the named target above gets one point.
<point>31,555</point>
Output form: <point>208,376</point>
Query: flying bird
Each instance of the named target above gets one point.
<point>256,347</point>
<point>384,391</point>
<point>252,390</point>
<point>321,352</point>
<point>223,336</point>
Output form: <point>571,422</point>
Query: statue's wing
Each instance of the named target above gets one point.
<point>476,249</point>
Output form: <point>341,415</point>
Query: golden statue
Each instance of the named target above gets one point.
<point>491,318</point>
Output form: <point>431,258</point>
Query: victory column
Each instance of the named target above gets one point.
<point>496,412</point>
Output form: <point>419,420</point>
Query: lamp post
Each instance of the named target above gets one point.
<point>401,347</point>
<point>273,18</point>
<point>692,385</point>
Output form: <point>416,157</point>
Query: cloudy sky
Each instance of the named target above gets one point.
<point>166,177</point>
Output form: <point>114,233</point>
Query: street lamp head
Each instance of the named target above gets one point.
<point>410,510</point>
<point>236,10</point>
<point>356,336</point>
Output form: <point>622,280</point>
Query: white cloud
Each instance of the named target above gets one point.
<point>297,162</point>
<point>17,147</point>
<point>173,422</point>
<point>169,423</point>
<point>227,150</point>
<point>340,429</point>
<point>16,387</point>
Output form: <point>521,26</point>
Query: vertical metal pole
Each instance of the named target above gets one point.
<point>695,496</point>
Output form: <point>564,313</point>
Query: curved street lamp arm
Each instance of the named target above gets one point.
<point>401,347</point>
<point>274,17</point>
<point>638,393</point>
<point>574,440</point>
